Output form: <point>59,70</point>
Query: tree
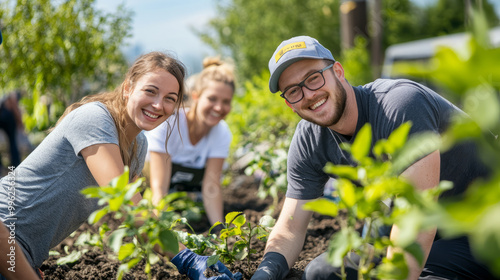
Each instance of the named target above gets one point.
<point>250,31</point>
<point>58,52</point>
<point>451,16</point>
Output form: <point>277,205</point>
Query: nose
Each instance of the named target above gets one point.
<point>157,104</point>
<point>218,106</point>
<point>307,92</point>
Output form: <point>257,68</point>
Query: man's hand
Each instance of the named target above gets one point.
<point>194,267</point>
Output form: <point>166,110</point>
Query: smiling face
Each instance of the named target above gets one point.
<point>324,106</point>
<point>214,103</point>
<point>151,101</point>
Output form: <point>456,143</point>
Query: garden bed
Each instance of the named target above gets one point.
<point>239,196</point>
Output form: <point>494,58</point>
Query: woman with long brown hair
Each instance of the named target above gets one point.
<point>90,145</point>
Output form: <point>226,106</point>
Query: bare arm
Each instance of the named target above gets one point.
<point>288,235</point>
<point>104,162</point>
<point>424,174</point>
<point>211,190</point>
<point>13,263</point>
<point>160,166</point>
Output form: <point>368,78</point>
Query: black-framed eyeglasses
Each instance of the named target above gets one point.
<point>314,81</point>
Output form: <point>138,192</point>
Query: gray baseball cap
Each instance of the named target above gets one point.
<point>293,50</point>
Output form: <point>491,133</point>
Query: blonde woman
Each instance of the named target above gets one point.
<point>194,156</point>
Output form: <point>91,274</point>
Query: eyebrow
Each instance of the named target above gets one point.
<point>157,88</point>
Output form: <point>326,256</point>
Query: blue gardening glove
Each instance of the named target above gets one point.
<point>194,267</point>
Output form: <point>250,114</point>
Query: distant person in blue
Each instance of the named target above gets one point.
<point>314,86</point>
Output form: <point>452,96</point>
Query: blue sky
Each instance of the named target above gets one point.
<point>166,25</point>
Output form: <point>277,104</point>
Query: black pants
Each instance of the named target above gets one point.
<point>448,259</point>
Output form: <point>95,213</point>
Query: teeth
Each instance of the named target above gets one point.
<point>317,104</point>
<point>215,114</point>
<point>151,115</point>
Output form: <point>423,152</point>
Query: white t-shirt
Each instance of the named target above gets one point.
<point>214,145</point>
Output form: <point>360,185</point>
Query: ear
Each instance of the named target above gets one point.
<point>126,90</point>
<point>290,105</point>
<point>338,70</point>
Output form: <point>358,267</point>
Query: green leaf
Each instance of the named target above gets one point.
<point>115,239</point>
<point>212,260</point>
<point>153,258</point>
<point>115,203</point>
<point>416,251</point>
<point>120,182</point>
<point>126,250</point>
<point>485,238</point>
<point>239,220</point>
<point>214,225</point>
<point>342,171</point>
<point>133,188</point>
<point>267,221</point>
<point>341,243</point>
<point>360,149</point>
<point>322,206</point>
<point>72,258</point>
<point>91,191</point>
<point>97,215</point>
<point>481,103</point>
<point>347,192</point>
<point>122,270</point>
<point>398,138</point>
<point>168,241</point>
<point>395,268</point>
<point>231,216</point>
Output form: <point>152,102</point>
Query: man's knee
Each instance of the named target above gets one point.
<point>319,269</point>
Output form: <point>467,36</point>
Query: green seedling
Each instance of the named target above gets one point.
<point>140,230</point>
<point>242,232</point>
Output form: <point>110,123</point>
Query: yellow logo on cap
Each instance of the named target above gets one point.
<point>289,47</point>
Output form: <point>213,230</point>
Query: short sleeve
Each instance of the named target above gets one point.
<point>220,140</point>
<point>409,102</point>
<point>157,138</point>
<point>88,125</point>
<point>305,176</point>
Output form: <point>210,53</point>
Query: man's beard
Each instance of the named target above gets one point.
<point>340,98</point>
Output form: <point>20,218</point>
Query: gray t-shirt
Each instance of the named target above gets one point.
<point>47,199</point>
<point>385,104</point>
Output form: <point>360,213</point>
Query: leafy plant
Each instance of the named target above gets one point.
<point>68,50</point>
<point>243,232</point>
<point>473,80</point>
<point>361,190</point>
<point>140,230</point>
<point>475,83</point>
<point>262,126</point>
<point>270,166</point>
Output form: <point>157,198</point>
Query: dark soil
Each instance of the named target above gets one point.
<point>239,196</point>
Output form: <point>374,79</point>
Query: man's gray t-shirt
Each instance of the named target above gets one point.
<point>47,199</point>
<point>385,104</point>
